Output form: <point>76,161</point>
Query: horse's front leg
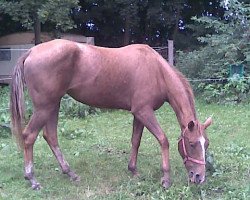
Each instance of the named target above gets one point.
<point>147,118</point>
<point>135,141</point>
<point>50,135</point>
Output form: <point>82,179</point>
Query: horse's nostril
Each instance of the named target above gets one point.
<point>197,178</point>
<point>191,174</point>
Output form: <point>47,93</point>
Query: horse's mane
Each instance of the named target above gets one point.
<point>187,88</point>
<point>184,81</point>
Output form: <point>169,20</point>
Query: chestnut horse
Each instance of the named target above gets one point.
<point>134,78</point>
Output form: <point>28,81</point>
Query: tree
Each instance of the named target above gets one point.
<point>119,22</point>
<point>8,25</point>
<point>128,21</point>
<point>226,42</point>
<point>129,14</point>
<point>32,13</point>
<point>111,22</point>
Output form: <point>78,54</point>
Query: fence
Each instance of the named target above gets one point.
<point>167,52</point>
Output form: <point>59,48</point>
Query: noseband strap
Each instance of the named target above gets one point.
<point>186,156</point>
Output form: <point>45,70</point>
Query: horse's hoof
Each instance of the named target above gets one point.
<point>36,186</point>
<point>135,174</point>
<point>74,177</point>
<point>166,183</point>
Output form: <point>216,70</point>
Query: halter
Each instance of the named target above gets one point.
<point>186,156</point>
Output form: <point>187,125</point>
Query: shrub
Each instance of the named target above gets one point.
<point>70,107</point>
<point>236,90</point>
<point>227,43</point>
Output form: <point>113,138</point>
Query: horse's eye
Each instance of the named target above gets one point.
<point>192,145</point>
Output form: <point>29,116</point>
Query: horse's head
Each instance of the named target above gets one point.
<point>192,147</point>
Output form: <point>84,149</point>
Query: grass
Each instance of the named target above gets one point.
<point>97,148</point>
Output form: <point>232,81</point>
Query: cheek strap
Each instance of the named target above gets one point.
<point>186,156</point>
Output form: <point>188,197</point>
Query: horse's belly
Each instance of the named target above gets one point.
<point>101,98</point>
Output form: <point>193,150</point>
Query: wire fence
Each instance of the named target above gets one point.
<point>161,50</point>
<point>217,79</point>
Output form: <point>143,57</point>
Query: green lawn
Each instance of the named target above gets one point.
<point>97,148</point>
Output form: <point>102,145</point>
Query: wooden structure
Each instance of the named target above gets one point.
<point>167,52</point>
<point>171,52</point>
<point>14,45</point>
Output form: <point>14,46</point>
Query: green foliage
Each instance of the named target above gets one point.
<point>128,9</point>
<point>227,42</point>
<point>55,11</point>
<point>71,134</point>
<point>4,124</point>
<point>4,113</point>
<point>149,22</point>
<point>233,92</point>
<point>70,107</point>
<point>112,23</point>
<point>60,18</point>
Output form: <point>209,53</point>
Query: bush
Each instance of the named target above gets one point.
<point>70,107</point>
<point>4,112</point>
<point>235,91</point>
<point>227,43</point>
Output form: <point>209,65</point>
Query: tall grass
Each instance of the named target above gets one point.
<point>98,146</point>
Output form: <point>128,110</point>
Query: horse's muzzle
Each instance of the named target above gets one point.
<point>196,178</point>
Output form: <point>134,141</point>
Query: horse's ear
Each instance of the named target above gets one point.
<point>208,122</point>
<point>191,125</point>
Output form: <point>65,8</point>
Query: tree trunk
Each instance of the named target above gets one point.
<point>37,30</point>
<point>176,27</point>
<point>127,34</point>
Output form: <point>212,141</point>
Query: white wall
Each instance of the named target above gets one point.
<point>16,51</point>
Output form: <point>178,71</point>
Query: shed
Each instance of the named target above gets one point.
<point>14,45</point>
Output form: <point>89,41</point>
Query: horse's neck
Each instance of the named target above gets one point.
<point>179,94</point>
<point>184,110</point>
<point>183,106</point>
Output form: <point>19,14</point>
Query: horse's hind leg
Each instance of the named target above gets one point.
<point>135,141</point>
<point>30,133</point>
<point>50,135</point>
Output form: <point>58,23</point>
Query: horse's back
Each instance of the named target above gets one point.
<point>102,77</point>
<point>116,77</point>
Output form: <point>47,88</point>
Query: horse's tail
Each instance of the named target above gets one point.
<point>17,105</point>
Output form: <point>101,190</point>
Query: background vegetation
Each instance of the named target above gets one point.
<point>112,23</point>
<point>224,42</point>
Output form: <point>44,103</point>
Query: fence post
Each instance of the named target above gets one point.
<point>171,52</point>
